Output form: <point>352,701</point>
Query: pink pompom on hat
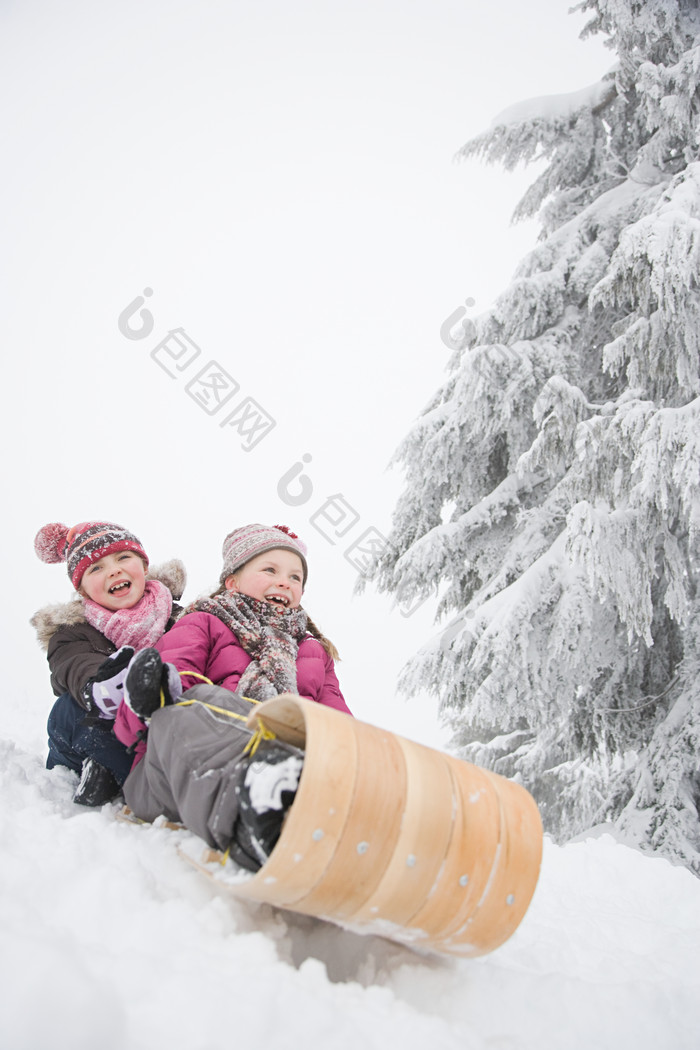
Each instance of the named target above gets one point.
<point>84,544</point>
<point>247,542</point>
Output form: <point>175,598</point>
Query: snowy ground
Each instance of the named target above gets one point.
<point>281,177</point>
<point>110,939</point>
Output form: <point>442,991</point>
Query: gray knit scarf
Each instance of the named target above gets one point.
<point>270,638</point>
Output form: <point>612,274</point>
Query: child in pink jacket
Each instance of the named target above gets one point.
<point>252,639</point>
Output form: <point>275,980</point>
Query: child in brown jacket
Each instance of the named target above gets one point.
<point>121,607</point>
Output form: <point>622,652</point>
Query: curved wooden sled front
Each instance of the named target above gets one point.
<point>390,837</point>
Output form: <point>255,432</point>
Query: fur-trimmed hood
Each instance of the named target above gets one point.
<point>67,614</point>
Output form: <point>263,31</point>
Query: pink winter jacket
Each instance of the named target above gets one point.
<point>201,642</point>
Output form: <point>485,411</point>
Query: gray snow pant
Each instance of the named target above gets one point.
<point>194,764</point>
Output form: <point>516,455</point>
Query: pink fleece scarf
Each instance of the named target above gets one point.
<point>142,625</point>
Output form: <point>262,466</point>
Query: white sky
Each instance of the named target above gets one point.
<point>281,176</point>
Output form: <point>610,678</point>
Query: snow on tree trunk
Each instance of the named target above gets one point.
<point>552,494</point>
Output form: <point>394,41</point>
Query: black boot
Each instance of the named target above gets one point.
<point>143,683</point>
<point>97,785</point>
<point>151,684</point>
<point>269,786</point>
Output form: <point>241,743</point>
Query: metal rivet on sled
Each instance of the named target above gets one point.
<point>510,899</point>
<point>463,880</point>
<point>318,834</point>
<point>362,847</point>
<point>410,860</point>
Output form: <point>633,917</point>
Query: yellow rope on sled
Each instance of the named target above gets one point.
<point>261,733</point>
<point>183,674</point>
<point>212,707</point>
<point>215,709</point>
<point>194,674</point>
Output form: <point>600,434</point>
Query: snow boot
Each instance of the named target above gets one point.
<point>267,791</point>
<point>97,785</point>
<point>150,684</point>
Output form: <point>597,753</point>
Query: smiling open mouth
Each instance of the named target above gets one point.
<point>278,599</point>
<point>120,588</point>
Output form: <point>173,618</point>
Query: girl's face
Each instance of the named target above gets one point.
<point>276,577</point>
<point>116,581</point>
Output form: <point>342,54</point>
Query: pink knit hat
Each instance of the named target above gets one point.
<point>247,542</point>
<point>84,544</point>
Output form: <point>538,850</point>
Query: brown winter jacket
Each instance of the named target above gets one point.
<point>75,650</point>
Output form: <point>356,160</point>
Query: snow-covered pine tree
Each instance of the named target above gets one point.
<point>552,494</point>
